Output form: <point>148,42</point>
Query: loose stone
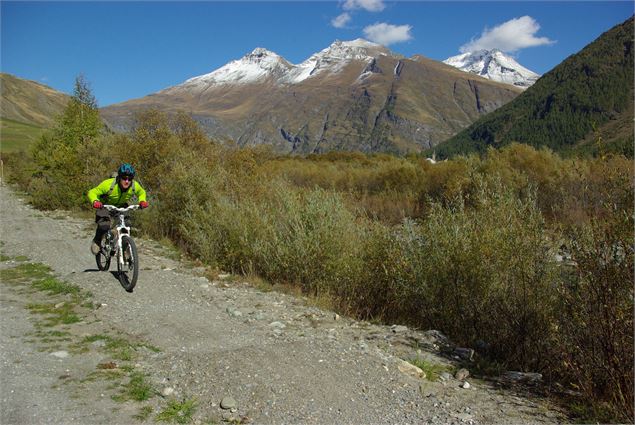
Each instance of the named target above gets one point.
<point>277,325</point>
<point>462,374</point>
<point>228,403</point>
<point>410,369</point>
<point>399,328</point>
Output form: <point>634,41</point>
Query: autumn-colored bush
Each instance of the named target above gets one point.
<point>595,327</point>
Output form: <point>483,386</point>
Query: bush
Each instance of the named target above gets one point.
<point>595,330</point>
<point>483,273</point>
<point>310,238</point>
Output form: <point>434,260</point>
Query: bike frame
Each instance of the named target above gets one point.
<point>121,227</point>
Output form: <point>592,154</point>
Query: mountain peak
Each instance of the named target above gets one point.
<point>494,65</point>
<point>260,53</point>
<point>262,64</point>
<point>337,56</point>
<point>354,49</point>
<point>258,65</point>
<point>358,42</point>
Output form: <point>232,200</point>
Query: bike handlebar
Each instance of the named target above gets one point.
<point>121,210</point>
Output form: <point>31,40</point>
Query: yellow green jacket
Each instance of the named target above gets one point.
<point>117,197</point>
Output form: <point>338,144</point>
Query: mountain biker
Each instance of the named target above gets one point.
<point>119,191</point>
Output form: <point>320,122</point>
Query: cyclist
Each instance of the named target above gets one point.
<point>119,191</point>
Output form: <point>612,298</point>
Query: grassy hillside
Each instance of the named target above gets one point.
<point>15,136</point>
<point>584,105</point>
<point>30,102</point>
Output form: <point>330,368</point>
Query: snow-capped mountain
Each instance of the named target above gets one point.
<point>257,65</point>
<point>494,65</point>
<point>335,57</point>
<point>262,64</point>
<point>353,95</point>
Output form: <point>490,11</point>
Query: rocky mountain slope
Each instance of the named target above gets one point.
<point>30,102</point>
<point>354,95</point>
<point>184,348</point>
<point>585,104</point>
<point>494,65</point>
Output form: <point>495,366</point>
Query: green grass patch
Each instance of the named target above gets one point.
<point>119,348</point>
<point>585,413</point>
<point>21,258</point>
<point>432,370</point>
<point>63,314</point>
<point>42,279</point>
<point>128,368</point>
<point>139,389</point>
<point>47,336</point>
<point>151,347</point>
<point>89,304</point>
<point>179,412</point>
<point>17,136</point>
<point>25,272</point>
<point>54,286</point>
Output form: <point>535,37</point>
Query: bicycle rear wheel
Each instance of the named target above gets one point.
<point>129,272</point>
<point>103,256</point>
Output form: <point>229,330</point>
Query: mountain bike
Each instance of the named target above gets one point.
<point>118,243</point>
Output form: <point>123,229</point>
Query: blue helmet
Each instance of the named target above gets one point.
<point>126,170</point>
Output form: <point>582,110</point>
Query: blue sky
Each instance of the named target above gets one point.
<point>128,50</point>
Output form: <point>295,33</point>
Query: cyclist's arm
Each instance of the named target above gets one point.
<point>96,192</point>
<point>140,192</point>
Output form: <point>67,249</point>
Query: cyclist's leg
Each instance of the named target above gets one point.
<point>102,218</point>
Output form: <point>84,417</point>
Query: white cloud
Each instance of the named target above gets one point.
<point>368,5</point>
<point>387,34</point>
<point>510,36</point>
<point>341,21</point>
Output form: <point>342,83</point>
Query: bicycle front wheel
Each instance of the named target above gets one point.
<point>129,270</point>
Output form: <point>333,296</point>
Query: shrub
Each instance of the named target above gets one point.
<point>316,239</point>
<point>484,272</point>
<point>595,330</point>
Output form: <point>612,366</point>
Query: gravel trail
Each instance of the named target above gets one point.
<point>274,358</point>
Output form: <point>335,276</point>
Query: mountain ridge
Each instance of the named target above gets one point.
<point>354,95</point>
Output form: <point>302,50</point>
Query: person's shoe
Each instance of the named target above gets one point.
<point>94,248</point>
